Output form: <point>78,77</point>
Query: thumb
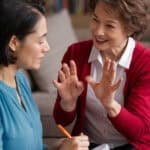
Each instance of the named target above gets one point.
<point>56,84</point>
<point>91,81</point>
<point>81,133</point>
<point>116,86</point>
<point>79,85</point>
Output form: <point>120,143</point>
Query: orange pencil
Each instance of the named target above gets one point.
<point>64,131</point>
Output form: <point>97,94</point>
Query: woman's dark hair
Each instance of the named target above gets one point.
<point>39,4</point>
<point>133,12</point>
<point>16,18</point>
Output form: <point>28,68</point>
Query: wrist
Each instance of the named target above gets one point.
<point>66,106</point>
<point>113,109</point>
<point>58,144</point>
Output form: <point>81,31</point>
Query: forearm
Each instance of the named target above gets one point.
<point>61,116</point>
<point>128,124</point>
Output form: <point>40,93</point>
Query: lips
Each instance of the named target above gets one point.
<point>101,41</point>
<point>39,60</point>
<point>41,57</point>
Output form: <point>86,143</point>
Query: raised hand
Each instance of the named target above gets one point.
<point>69,86</point>
<point>106,88</point>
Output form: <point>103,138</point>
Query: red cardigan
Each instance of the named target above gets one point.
<point>134,119</point>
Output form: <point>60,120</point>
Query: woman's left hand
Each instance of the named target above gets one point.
<point>106,88</point>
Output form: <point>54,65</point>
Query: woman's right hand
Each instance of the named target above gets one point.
<point>69,87</point>
<point>75,143</point>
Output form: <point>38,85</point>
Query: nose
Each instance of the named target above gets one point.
<point>46,47</point>
<point>99,30</point>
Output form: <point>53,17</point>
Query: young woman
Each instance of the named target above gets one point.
<point>23,44</point>
<point>104,83</point>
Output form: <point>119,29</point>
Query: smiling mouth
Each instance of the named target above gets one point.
<point>100,41</point>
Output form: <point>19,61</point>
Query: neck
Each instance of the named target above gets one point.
<point>7,75</point>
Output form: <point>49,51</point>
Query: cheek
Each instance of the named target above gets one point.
<point>115,35</point>
<point>116,41</point>
<point>27,53</point>
<point>92,27</point>
<point>120,36</point>
<point>32,50</point>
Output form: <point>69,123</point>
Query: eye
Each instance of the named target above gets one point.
<point>42,39</point>
<point>95,19</point>
<point>41,42</point>
<point>109,26</point>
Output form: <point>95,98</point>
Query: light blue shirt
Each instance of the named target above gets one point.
<point>19,129</point>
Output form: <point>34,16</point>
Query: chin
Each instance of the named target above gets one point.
<point>100,48</point>
<point>36,67</point>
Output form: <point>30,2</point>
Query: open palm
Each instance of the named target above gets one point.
<point>69,87</point>
<point>106,88</point>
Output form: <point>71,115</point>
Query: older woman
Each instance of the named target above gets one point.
<point>104,83</point>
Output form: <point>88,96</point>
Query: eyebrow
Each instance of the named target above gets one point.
<point>112,21</point>
<point>95,15</point>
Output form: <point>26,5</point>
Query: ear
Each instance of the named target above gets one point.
<point>13,43</point>
<point>129,32</point>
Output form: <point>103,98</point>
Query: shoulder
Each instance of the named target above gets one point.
<point>21,78</point>
<point>139,67</point>
<point>80,50</point>
<point>141,56</point>
<point>5,92</point>
<point>141,51</point>
<point>84,45</point>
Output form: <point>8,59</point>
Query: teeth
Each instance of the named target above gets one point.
<point>100,40</point>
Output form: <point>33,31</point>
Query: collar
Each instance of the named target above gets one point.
<point>124,60</point>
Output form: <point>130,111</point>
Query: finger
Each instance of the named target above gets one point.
<point>79,86</point>
<point>56,84</point>
<point>61,76</point>
<point>66,70</point>
<point>107,64</point>
<point>75,142</point>
<point>116,86</point>
<point>84,148</point>
<point>83,144</point>
<point>112,72</point>
<point>81,133</point>
<point>79,142</point>
<point>73,68</point>
<point>91,81</point>
<point>69,143</point>
<point>83,137</point>
<point>112,67</point>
